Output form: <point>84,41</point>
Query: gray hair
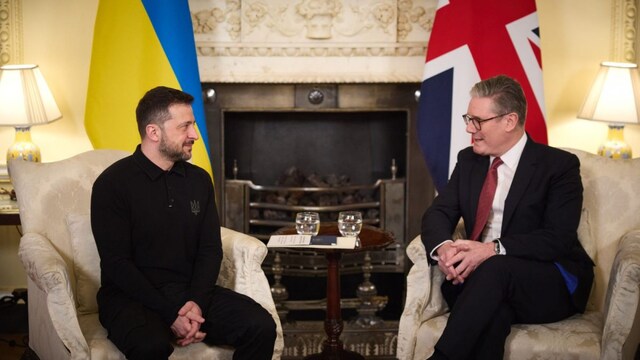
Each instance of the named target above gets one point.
<point>506,93</point>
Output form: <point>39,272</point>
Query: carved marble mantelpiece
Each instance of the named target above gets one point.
<point>312,41</point>
<point>316,40</point>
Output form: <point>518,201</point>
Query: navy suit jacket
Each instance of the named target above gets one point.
<point>541,212</point>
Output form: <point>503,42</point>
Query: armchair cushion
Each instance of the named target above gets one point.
<point>575,338</point>
<point>86,262</point>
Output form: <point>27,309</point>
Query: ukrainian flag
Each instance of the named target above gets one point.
<point>138,45</point>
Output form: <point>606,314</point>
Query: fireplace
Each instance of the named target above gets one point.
<point>282,162</point>
<point>364,133</point>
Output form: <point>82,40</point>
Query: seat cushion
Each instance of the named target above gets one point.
<point>579,335</point>
<point>102,349</point>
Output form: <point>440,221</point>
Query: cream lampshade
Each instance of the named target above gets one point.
<point>25,100</point>
<point>614,98</point>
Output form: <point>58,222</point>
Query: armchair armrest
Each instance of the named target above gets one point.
<point>424,299</point>
<point>241,270</point>
<point>622,296</point>
<point>241,263</point>
<point>48,271</point>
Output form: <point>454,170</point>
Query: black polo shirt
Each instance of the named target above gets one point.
<point>158,236</point>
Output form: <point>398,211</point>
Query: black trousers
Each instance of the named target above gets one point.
<point>502,291</point>
<point>232,319</point>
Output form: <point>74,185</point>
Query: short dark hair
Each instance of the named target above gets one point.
<point>153,108</point>
<point>506,93</point>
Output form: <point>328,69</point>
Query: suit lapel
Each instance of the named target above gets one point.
<point>523,175</point>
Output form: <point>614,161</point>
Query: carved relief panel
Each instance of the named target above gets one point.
<point>312,40</point>
<point>286,21</point>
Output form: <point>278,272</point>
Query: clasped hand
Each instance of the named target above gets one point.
<point>186,327</point>
<point>458,259</point>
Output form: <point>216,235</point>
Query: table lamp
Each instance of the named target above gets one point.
<point>614,98</point>
<point>25,100</point>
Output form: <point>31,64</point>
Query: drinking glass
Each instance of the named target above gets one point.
<point>307,223</point>
<point>350,223</point>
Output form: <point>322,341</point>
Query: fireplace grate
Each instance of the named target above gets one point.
<point>261,210</point>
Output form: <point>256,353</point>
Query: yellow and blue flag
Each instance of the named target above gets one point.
<point>138,45</point>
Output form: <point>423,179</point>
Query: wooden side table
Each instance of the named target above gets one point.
<point>371,238</point>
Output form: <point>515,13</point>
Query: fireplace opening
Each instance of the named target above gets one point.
<point>324,161</point>
<point>359,144</point>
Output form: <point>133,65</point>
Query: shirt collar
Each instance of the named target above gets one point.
<point>512,156</point>
<point>152,170</point>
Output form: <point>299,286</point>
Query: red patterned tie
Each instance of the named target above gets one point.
<point>486,199</point>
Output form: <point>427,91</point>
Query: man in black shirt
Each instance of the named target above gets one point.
<point>156,226</point>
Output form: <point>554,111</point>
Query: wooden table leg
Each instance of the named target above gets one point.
<point>332,347</point>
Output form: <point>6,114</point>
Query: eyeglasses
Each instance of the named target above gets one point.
<point>477,121</point>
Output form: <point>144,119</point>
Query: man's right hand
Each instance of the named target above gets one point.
<point>181,327</point>
<point>445,253</point>
<point>186,327</point>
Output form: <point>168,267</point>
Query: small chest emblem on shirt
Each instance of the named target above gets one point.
<point>195,207</point>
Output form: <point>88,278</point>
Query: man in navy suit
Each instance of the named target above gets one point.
<point>525,264</point>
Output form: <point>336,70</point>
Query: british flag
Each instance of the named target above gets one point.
<point>473,40</point>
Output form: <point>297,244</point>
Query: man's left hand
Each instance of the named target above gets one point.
<point>192,311</point>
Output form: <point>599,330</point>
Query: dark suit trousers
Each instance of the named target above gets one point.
<point>232,319</point>
<point>502,291</point>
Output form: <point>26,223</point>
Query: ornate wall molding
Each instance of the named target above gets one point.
<point>307,41</point>
<point>625,27</point>
<point>10,31</point>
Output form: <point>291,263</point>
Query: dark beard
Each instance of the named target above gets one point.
<point>174,155</point>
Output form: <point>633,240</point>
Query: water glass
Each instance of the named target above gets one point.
<point>350,223</point>
<point>308,223</point>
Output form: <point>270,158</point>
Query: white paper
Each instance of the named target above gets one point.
<point>304,241</point>
<point>289,240</point>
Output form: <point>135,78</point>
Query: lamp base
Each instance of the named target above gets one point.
<point>23,148</point>
<point>615,147</point>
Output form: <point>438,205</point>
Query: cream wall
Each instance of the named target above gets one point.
<point>58,34</point>
<point>576,37</point>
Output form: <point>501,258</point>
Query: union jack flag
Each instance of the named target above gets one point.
<point>473,40</point>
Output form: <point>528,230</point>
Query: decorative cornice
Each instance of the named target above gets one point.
<point>10,31</point>
<point>306,41</point>
<point>624,33</point>
<point>307,50</point>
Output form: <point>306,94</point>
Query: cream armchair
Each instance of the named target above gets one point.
<point>609,230</point>
<point>61,260</point>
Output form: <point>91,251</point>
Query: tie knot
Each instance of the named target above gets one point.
<point>496,162</point>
